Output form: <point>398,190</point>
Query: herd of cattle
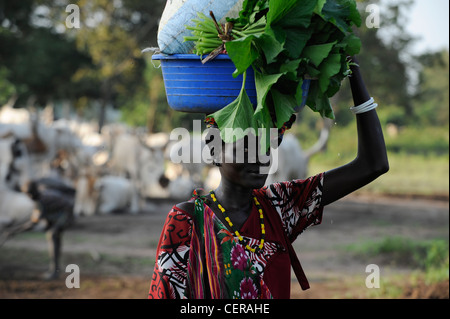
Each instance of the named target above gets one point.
<point>117,170</point>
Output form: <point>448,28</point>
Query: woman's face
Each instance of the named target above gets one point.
<point>242,164</point>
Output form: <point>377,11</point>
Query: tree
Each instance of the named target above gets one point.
<point>42,57</point>
<point>113,51</point>
<point>36,61</point>
<point>385,60</point>
<point>432,98</point>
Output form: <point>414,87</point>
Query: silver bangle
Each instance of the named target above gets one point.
<point>365,107</point>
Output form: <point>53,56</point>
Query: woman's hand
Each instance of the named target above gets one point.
<point>359,90</point>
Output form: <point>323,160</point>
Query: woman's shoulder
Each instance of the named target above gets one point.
<point>186,207</point>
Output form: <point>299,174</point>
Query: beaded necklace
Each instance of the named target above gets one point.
<point>241,239</point>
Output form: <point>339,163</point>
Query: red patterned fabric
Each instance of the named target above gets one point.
<point>288,207</point>
<point>169,276</point>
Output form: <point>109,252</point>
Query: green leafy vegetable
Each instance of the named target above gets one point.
<point>243,53</point>
<point>285,42</point>
<point>238,114</point>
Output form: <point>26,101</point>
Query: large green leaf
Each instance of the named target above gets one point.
<point>250,8</point>
<point>263,84</point>
<point>290,69</point>
<point>278,33</point>
<point>329,67</point>
<point>342,13</point>
<point>243,53</point>
<point>319,102</point>
<point>247,9</point>
<point>285,105</point>
<point>324,107</point>
<point>270,46</point>
<point>299,16</point>
<point>278,10</point>
<point>290,21</point>
<point>354,16</point>
<point>334,86</point>
<point>234,119</point>
<point>317,53</point>
<point>352,44</point>
<point>319,6</point>
<point>265,124</point>
<point>296,40</point>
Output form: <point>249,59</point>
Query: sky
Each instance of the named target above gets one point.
<point>429,19</point>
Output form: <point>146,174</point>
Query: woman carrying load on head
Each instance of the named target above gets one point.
<point>235,242</point>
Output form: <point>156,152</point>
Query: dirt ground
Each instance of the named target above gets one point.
<point>116,253</point>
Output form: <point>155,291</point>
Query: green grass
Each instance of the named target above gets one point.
<point>408,174</point>
<point>428,261</point>
<point>430,258</point>
<point>418,158</point>
<point>391,287</point>
<point>414,174</point>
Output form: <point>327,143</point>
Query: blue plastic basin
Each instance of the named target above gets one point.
<point>205,88</point>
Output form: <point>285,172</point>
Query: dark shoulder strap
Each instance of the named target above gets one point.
<point>295,262</point>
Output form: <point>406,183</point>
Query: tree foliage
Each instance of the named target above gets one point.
<point>101,61</point>
<point>432,98</point>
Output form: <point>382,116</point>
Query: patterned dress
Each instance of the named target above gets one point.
<point>199,258</point>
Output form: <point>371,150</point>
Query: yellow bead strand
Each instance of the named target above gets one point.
<point>238,235</point>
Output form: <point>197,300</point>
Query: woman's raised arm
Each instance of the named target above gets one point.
<point>371,160</point>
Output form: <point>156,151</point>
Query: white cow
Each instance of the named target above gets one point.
<point>15,208</point>
<point>8,114</point>
<point>144,165</point>
<point>44,143</point>
<point>104,195</point>
<point>116,194</point>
